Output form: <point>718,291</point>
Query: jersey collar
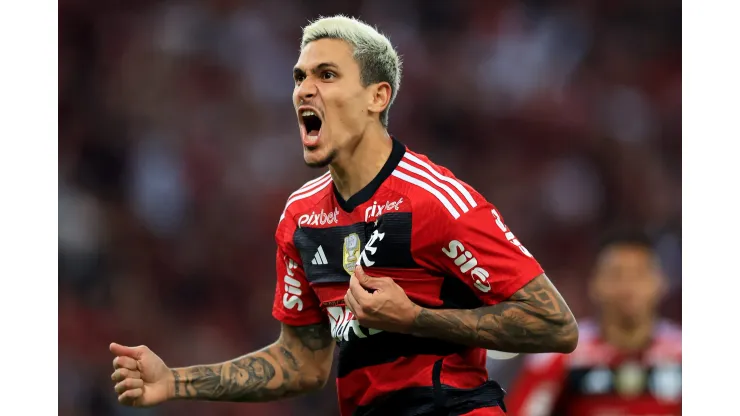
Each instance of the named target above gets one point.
<point>364,194</point>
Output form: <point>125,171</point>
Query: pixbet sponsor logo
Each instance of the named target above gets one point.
<point>467,263</point>
<point>291,297</point>
<point>322,218</point>
<point>374,211</point>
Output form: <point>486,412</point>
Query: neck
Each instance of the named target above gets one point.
<point>627,336</point>
<point>357,166</point>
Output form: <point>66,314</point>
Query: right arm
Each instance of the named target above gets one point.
<point>298,362</point>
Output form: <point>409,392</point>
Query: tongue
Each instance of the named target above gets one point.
<point>312,137</point>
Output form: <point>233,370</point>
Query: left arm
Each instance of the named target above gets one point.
<point>522,312</point>
<point>534,320</point>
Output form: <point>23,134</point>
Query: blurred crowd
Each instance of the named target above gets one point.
<point>178,146</point>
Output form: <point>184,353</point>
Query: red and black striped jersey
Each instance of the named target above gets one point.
<point>599,379</point>
<point>438,238</point>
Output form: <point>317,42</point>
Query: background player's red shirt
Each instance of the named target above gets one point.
<point>439,239</point>
<point>598,380</point>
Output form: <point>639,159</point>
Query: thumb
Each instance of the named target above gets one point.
<point>366,281</point>
<point>122,350</point>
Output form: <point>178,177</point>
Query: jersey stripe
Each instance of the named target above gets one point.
<point>425,186</point>
<point>429,177</point>
<point>309,185</point>
<point>453,182</point>
<point>307,190</point>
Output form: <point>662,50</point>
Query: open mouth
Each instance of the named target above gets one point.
<point>312,122</point>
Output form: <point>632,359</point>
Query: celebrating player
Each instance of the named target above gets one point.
<point>628,361</point>
<point>410,271</point>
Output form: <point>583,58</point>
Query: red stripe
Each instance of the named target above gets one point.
<point>421,287</point>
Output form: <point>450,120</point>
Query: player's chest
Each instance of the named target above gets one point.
<point>331,241</point>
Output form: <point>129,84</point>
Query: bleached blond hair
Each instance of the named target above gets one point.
<point>374,53</point>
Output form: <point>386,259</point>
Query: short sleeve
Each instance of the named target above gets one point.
<point>295,302</point>
<point>481,251</point>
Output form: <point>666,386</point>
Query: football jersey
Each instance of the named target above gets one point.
<point>439,240</point>
<point>599,380</point>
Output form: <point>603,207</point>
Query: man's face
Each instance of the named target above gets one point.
<point>327,83</point>
<point>628,283</point>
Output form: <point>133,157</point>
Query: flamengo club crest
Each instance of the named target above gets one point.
<point>351,252</point>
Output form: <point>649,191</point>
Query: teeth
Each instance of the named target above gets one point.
<point>307,113</point>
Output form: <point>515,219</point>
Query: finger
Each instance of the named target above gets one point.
<point>352,303</point>
<point>124,362</point>
<point>367,282</point>
<point>129,397</point>
<point>122,350</point>
<point>129,384</point>
<point>360,294</point>
<point>124,373</point>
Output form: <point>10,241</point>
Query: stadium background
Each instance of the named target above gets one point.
<point>178,147</point>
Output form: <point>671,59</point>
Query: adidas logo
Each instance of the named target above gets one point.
<point>319,257</point>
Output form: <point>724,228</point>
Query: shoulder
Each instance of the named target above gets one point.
<point>308,196</point>
<point>434,190</point>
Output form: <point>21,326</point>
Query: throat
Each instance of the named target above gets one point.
<point>628,338</point>
<point>358,173</point>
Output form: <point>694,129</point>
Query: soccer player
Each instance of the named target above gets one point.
<point>410,271</point>
<point>628,361</point>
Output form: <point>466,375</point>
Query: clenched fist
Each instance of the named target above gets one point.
<point>380,303</point>
<point>142,379</point>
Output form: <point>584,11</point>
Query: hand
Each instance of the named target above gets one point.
<point>379,303</point>
<point>142,377</point>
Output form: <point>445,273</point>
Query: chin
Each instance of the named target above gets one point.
<point>318,159</point>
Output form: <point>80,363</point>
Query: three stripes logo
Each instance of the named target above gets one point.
<point>319,258</point>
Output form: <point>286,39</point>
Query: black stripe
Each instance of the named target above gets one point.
<point>393,251</point>
<point>386,347</point>
<point>420,401</point>
<point>606,381</point>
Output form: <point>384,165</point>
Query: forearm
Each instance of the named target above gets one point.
<point>269,374</point>
<point>298,363</point>
<point>534,320</point>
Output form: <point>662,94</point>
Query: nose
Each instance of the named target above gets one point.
<point>306,91</point>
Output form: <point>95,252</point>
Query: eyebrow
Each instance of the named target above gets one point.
<point>324,65</point>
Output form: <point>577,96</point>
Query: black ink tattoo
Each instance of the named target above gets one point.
<point>534,320</point>
<point>176,375</point>
<point>314,337</point>
<point>296,364</point>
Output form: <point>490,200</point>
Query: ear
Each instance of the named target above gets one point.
<point>380,97</point>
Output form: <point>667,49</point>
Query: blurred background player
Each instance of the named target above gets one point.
<point>628,361</point>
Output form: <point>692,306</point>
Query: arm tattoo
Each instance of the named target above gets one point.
<point>293,365</point>
<point>313,337</point>
<point>534,320</point>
